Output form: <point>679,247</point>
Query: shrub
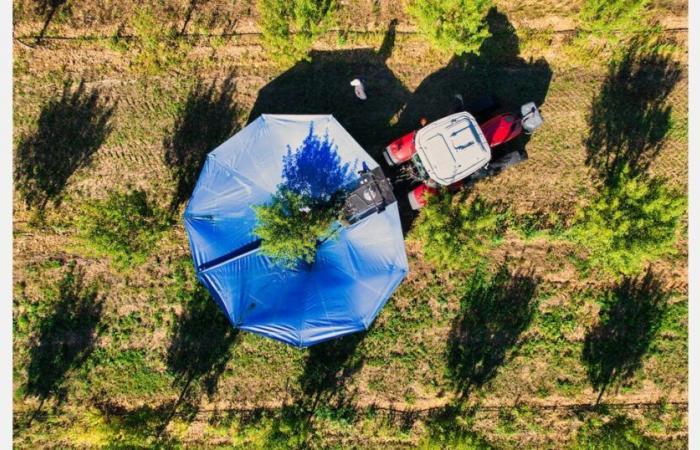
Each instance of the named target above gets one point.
<point>612,24</point>
<point>456,26</point>
<point>290,27</point>
<point>158,47</point>
<point>458,235</point>
<point>125,226</point>
<point>631,221</point>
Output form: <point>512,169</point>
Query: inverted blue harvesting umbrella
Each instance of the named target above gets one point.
<point>354,273</point>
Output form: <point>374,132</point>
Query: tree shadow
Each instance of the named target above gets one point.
<point>188,14</point>
<point>322,86</point>
<point>69,131</point>
<point>619,432</point>
<point>498,70</point>
<point>207,119</point>
<point>494,312</point>
<point>47,8</point>
<point>328,367</point>
<point>630,316</point>
<point>66,338</point>
<point>134,425</point>
<point>629,117</point>
<point>200,348</point>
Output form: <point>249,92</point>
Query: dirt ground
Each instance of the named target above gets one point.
<point>394,378</point>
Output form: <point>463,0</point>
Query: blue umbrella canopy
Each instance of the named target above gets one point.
<point>354,273</point>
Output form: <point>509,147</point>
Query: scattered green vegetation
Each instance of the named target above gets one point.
<point>629,223</point>
<point>539,223</point>
<point>453,430</point>
<point>620,432</point>
<point>458,234</point>
<point>290,27</point>
<point>103,372</point>
<point>455,26</point>
<point>608,26</point>
<point>125,226</point>
<point>159,47</point>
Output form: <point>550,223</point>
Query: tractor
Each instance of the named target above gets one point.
<point>457,149</point>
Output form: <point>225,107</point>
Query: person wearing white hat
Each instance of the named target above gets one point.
<point>359,89</point>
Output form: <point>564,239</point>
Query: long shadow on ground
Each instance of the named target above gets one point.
<point>69,130</point>
<point>207,119</point>
<point>322,86</point>
<point>201,345</point>
<point>497,70</point>
<point>47,8</point>
<point>629,117</point>
<point>66,337</point>
<point>329,367</point>
<point>494,312</point>
<point>630,316</point>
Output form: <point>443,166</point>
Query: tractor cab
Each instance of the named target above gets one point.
<point>452,148</point>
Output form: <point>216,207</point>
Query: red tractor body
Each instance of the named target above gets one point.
<point>450,150</point>
<point>401,150</point>
<point>501,129</point>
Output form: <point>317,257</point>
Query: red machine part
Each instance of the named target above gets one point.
<point>402,149</point>
<point>417,198</point>
<point>501,128</point>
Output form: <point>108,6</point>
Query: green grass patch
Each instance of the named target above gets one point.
<point>105,372</point>
<point>125,227</point>
<point>619,432</point>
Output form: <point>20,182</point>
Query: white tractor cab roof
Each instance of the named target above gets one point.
<point>452,148</point>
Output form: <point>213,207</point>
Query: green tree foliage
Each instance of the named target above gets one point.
<point>631,221</point>
<point>456,26</point>
<point>612,24</point>
<point>290,229</point>
<point>307,202</point>
<point>618,433</point>
<point>290,27</point>
<point>125,226</point>
<point>458,234</point>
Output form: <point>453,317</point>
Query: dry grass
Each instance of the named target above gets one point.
<point>400,363</point>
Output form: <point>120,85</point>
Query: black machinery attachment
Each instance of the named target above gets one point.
<point>373,194</point>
